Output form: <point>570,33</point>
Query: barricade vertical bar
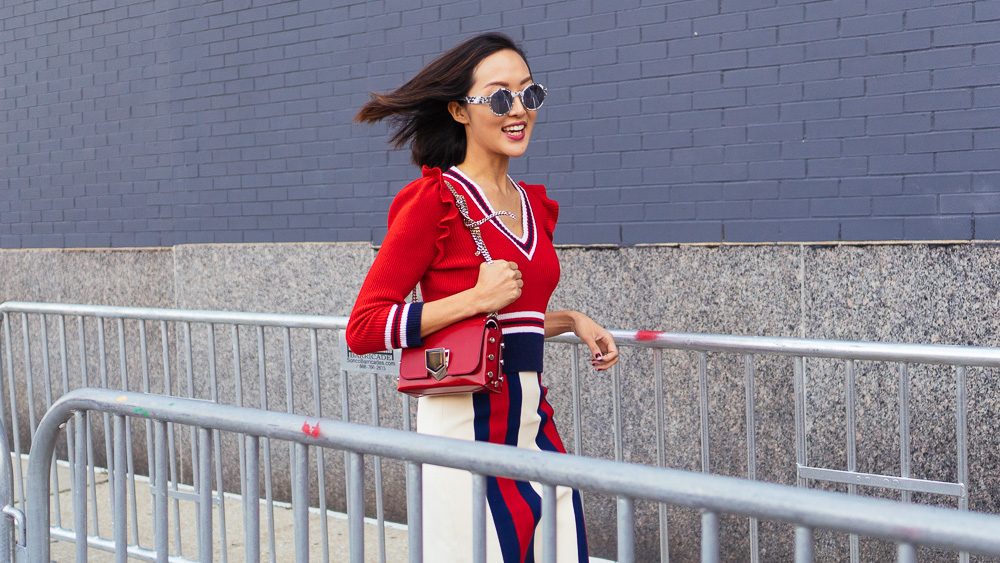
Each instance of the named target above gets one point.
<point>48,403</point>
<point>626,530</point>
<point>289,407</point>
<point>616,391</point>
<point>300,502</point>
<point>962,445</point>
<point>906,553</point>
<point>406,411</point>
<point>251,545</point>
<point>205,496</point>
<point>577,416</point>
<point>168,389</point>
<point>268,492</point>
<point>748,364</point>
<point>80,487</point>
<point>128,431</point>
<point>108,445</point>
<point>320,452</point>
<point>119,521</point>
<point>15,431</point>
<point>160,498</point>
<point>240,445</point>
<point>709,537</point>
<point>478,518</point>
<point>803,544</point>
<point>90,429</point>
<point>703,403</point>
<point>661,454</point>
<point>800,424</point>
<point>195,465</point>
<point>29,378</point>
<point>7,533</point>
<point>549,523</point>
<point>852,447</point>
<point>217,442</point>
<point>70,429</point>
<point>904,424</point>
<point>345,411</point>
<point>414,510</point>
<point>150,439</point>
<point>356,508</point>
<point>379,509</point>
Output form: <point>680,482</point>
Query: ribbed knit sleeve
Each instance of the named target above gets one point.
<point>418,217</point>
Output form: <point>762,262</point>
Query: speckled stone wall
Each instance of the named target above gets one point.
<point>926,293</point>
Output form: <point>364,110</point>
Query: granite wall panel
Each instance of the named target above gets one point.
<point>942,293</point>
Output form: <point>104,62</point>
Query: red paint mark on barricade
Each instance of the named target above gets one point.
<point>647,335</point>
<point>311,431</point>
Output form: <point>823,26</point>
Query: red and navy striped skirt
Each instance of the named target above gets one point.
<point>519,416</point>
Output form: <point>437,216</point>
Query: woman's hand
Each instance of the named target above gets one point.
<point>499,285</point>
<point>603,351</point>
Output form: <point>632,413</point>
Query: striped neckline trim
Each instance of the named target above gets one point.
<point>527,241</point>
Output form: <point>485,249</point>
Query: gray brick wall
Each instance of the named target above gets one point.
<point>161,122</point>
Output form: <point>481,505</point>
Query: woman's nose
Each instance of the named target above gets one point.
<point>517,106</point>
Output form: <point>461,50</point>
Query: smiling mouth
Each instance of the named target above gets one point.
<point>514,129</point>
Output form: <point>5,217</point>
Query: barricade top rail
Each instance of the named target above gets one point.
<point>785,346</point>
<point>890,520</point>
<point>178,315</point>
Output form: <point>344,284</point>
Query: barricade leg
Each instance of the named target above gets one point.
<point>300,502</point>
<point>80,486</point>
<point>251,536</point>
<point>160,506</point>
<point>414,510</point>
<point>709,537</point>
<point>356,508</point>
<point>626,530</point>
<point>803,544</point>
<point>205,496</point>
<point>120,486</point>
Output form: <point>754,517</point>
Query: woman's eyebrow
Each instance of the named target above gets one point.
<point>504,84</point>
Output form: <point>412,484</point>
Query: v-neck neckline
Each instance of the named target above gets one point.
<point>522,216</point>
<point>527,241</point>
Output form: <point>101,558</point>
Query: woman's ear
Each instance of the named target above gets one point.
<point>457,112</point>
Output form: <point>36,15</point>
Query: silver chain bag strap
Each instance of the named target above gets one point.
<point>473,227</point>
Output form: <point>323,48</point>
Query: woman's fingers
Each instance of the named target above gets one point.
<point>500,282</point>
<point>608,355</point>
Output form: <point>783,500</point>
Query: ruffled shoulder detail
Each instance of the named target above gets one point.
<point>546,210</point>
<point>426,204</point>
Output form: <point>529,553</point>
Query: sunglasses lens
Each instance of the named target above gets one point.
<point>533,96</point>
<point>501,101</point>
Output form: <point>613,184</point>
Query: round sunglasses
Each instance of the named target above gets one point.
<point>502,100</point>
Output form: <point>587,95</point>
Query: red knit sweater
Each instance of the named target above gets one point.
<point>427,242</point>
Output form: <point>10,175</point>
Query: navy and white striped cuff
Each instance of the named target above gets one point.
<point>402,326</point>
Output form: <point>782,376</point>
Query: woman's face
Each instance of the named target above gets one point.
<point>487,133</point>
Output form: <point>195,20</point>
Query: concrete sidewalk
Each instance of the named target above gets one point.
<point>184,520</point>
<point>63,551</point>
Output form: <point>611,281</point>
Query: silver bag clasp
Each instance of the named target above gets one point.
<point>436,360</point>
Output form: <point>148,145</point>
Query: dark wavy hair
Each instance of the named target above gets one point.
<point>419,108</point>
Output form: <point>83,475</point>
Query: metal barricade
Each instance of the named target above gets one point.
<point>189,343</point>
<point>908,526</point>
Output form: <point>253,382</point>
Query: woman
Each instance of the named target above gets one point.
<point>465,115</point>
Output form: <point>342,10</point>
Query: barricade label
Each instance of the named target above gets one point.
<point>377,362</point>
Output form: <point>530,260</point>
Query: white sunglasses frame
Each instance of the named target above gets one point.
<point>486,99</point>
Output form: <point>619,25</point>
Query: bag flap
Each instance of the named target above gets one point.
<point>464,342</point>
